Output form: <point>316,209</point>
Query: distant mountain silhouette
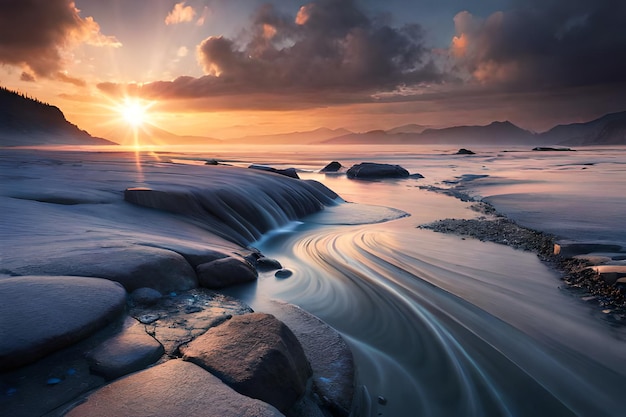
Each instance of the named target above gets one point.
<point>492,134</point>
<point>606,130</point>
<point>294,138</point>
<point>148,134</point>
<point>28,122</point>
<point>410,128</point>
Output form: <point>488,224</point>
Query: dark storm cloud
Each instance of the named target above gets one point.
<point>328,49</point>
<point>545,44</point>
<point>34,34</point>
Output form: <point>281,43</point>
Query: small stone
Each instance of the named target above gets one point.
<point>267,264</point>
<point>283,273</point>
<point>382,400</point>
<point>193,309</point>
<point>149,318</point>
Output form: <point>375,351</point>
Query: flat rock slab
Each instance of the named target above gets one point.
<point>329,355</point>
<point>41,314</point>
<point>178,318</point>
<point>255,354</point>
<point>132,349</point>
<point>174,388</point>
<point>133,266</point>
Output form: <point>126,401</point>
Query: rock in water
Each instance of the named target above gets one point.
<point>39,314</point>
<point>464,151</point>
<point>332,167</point>
<point>288,172</point>
<point>372,170</point>
<point>225,272</point>
<point>174,388</point>
<point>255,354</point>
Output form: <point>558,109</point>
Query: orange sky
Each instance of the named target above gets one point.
<point>230,69</point>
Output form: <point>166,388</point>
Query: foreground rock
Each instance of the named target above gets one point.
<point>42,314</point>
<point>255,354</point>
<point>225,272</point>
<point>174,388</point>
<point>133,266</point>
<point>372,170</point>
<point>329,355</point>
<point>132,349</point>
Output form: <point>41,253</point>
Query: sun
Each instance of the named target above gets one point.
<point>134,111</point>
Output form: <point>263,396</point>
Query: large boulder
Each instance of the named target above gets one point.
<point>225,272</point>
<point>255,354</point>
<point>41,314</point>
<point>128,351</point>
<point>372,170</point>
<point>174,388</point>
<point>133,266</point>
<point>329,355</point>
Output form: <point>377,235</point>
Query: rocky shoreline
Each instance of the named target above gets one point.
<point>592,274</point>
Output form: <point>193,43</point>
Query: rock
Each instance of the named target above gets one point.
<point>464,151</point>
<point>610,273</point>
<point>134,267</point>
<point>132,349</point>
<point>549,149</point>
<point>267,264</point>
<point>145,296</point>
<point>225,272</point>
<point>288,172</point>
<point>255,354</point>
<point>283,273</point>
<point>174,388</point>
<point>41,314</point>
<point>371,170</point>
<point>176,320</point>
<point>332,167</point>
<point>330,357</point>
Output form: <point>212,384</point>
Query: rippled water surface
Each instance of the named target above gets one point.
<point>445,326</point>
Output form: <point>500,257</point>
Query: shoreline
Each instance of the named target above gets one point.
<point>577,271</point>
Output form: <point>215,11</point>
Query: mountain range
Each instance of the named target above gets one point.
<point>28,122</point>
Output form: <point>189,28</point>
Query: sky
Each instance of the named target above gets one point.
<point>230,68</point>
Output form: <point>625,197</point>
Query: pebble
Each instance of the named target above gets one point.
<point>382,400</point>
<point>283,273</point>
<point>53,381</point>
<point>149,318</point>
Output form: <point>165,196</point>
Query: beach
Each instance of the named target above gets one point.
<point>439,324</point>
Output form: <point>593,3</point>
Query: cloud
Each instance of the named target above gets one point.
<point>34,34</point>
<point>205,13</point>
<point>182,51</point>
<point>543,44</point>
<point>180,14</point>
<point>330,49</point>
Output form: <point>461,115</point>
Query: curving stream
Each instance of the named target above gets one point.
<point>439,325</point>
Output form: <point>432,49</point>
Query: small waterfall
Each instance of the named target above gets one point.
<point>237,204</point>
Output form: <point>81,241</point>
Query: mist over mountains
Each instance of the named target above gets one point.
<point>28,122</point>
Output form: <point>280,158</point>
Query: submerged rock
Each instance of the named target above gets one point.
<point>550,149</point>
<point>283,273</point>
<point>225,272</point>
<point>464,151</point>
<point>255,354</point>
<point>174,388</point>
<point>371,170</point>
<point>43,314</point>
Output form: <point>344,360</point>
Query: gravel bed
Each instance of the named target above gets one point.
<point>575,272</point>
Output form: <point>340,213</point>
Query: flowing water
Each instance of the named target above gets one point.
<point>445,326</point>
